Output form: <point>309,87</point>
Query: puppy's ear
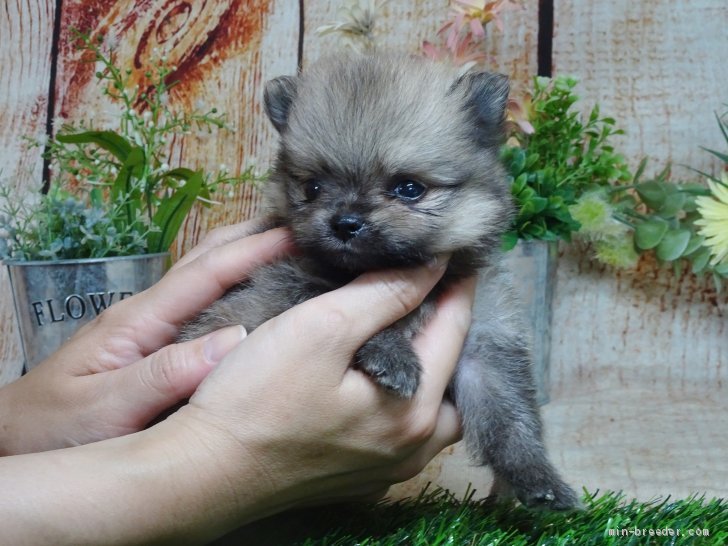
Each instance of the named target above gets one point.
<point>278,97</point>
<point>486,98</point>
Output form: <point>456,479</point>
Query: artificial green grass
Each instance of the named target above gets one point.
<point>436,518</point>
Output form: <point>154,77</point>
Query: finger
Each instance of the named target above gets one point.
<point>161,380</point>
<point>347,317</point>
<point>440,343</point>
<point>447,431</point>
<point>184,292</point>
<point>220,236</point>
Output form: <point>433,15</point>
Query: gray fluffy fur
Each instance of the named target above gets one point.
<point>353,130</point>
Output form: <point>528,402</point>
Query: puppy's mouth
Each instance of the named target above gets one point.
<point>364,252</point>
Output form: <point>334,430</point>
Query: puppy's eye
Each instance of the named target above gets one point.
<point>311,189</point>
<point>409,190</point>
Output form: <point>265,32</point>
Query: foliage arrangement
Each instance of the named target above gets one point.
<point>113,191</point>
<point>563,158</point>
<point>437,518</point>
<point>682,223</point>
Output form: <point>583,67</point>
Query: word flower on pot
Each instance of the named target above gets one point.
<point>114,206</point>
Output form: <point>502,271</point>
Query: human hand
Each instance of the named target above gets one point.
<point>284,420</point>
<point>119,372</point>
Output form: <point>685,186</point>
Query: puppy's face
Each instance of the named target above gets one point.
<point>388,161</point>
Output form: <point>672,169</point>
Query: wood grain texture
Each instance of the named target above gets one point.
<point>658,67</point>
<point>26,32</point>
<point>403,26</point>
<point>639,378</point>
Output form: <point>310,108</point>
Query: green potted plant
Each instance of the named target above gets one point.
<point>114,206</point>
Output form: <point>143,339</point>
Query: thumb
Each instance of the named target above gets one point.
<point>170,375</point>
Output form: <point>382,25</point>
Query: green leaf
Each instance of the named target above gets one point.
<point>180,173</point>
<point>721,269</point>
<point>519,183</point>
<point>648,234</point>
<point>723,157</point>
<point>652,193</point>
<point>108,140</point>
<point>172,212</point>
<point>700,260</point>
<point>534,205</point>
<point>672,204</point>
<point>123,187</point>
<point>518,161</point>
<point>718,282</point>
<point>96,196</point>
<point>696,241</point>
<point>122,190</point>
<point>509,240</point>
<point>673,244</point>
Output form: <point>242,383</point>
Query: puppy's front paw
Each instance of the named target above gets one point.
<point>392,363</point>
<point>551,496</point>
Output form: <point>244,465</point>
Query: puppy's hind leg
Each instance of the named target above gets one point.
<point>493,390</point>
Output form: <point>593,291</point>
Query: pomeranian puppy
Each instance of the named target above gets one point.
<point>387,161</point>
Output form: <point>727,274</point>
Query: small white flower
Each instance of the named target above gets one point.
<point>57,123</point>
<point>146,115</point>
<point>164,167</point>
<point>223,168</point>
<point>131,112</point>
<point>231,194</point>
<point>42,140</point>
<point>150,124</point>
<point>112,40</point>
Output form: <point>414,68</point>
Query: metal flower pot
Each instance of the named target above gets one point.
<point>53,299</point>
<point>533,265</point>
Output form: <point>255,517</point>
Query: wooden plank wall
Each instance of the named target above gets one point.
<point>657,66</point>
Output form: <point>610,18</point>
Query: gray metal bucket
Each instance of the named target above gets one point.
<point>533,265</point>
<point>53,299</point>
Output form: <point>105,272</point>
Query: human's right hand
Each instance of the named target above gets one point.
<point>289,422</point>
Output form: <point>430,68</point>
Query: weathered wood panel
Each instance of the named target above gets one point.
<point>26,32</point>
<point>659,67</point>
<point>639,376</point>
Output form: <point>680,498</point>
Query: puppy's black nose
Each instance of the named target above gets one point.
<point>346,226</point>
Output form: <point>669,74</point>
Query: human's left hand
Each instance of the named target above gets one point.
<point>122,370</point>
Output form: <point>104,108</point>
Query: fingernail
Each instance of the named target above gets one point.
<point>222,342</point>
<point>438,262</point>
